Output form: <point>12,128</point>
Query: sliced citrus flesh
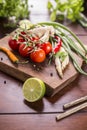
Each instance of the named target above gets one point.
<point>25,24</point>
<point>33,89</point>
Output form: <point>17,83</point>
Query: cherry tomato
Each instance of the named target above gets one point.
<point>13,43</point>
<point>21,39</point>
<point>47,47</point>
<point>24,33</point>
<point>38,55</point>
<point>24,50</point>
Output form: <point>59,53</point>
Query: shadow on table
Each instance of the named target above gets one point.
<point>37,106</point>
<point>65,91</point>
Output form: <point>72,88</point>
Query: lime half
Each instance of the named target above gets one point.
<point>33,89</point>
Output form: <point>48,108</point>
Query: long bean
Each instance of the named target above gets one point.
<point>75,48</point>
<point>73,45</point>
<point>68,43</point>
<point>76,65</point>
<point>68,49</point>
<point>65,28</point>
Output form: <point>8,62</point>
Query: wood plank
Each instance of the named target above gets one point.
<point>12,100</point>
<point>23,71</point>
<point>77,121</point>
<point>12,103</point>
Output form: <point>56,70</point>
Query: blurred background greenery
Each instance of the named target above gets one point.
<point>72,10</point>
<point>11,11</point>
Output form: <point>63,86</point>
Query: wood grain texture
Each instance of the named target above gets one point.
<point>23,71</point>
<point>12,100</point>
<point>16,114</point>
<point>42,122</point>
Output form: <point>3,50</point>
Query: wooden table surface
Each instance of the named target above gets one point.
<point>17,114</point>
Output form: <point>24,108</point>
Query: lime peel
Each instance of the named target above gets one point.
<point>25,24</point>
<point>33,89</point>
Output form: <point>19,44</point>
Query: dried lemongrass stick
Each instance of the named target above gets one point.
<point>75,102</point>
<point>71,111</point>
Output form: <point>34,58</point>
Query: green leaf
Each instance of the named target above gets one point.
<point>49,5</point>
<point>70,9</point>
<point>61,55</point>
<point>53,16</point>
<point>1,1</point>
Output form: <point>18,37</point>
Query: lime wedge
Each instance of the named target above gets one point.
<point>33,89</point>
<point>25,24</point>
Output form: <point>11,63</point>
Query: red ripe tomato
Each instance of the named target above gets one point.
<point>24,50</point>
<point>38,55</point>
<point>23,33</point>
<point>13,43</point>
<point>21,39</point>
<point>47,47</point>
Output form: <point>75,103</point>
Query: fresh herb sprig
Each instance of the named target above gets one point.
<point>67,9</point>
<point>16,9</point>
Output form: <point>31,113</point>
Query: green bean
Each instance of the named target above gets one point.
<point>72,44</point>
<point>66,29</point>
<point>68,43</point>
<point>68,49</point>
<point>75,48</point>
<point>76,65</point>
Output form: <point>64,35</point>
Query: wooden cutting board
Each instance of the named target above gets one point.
<point>45,72</point>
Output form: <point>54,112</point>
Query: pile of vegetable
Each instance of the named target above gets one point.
<point>67,9</point>
<point>48,40</point>
<point>14,9</point>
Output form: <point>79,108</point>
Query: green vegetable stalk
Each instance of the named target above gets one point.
<point>16,9</point>
<point>69,44</point>
<point>67,9</point>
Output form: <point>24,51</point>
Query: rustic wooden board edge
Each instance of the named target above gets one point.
<point>23,76</point>
<point>14,71</point>
<point>65,84</point>
<point>7,67</point>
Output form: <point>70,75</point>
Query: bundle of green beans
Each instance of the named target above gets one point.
<point>69,43</point>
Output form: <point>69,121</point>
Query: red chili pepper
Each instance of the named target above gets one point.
<point>58,44</point>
